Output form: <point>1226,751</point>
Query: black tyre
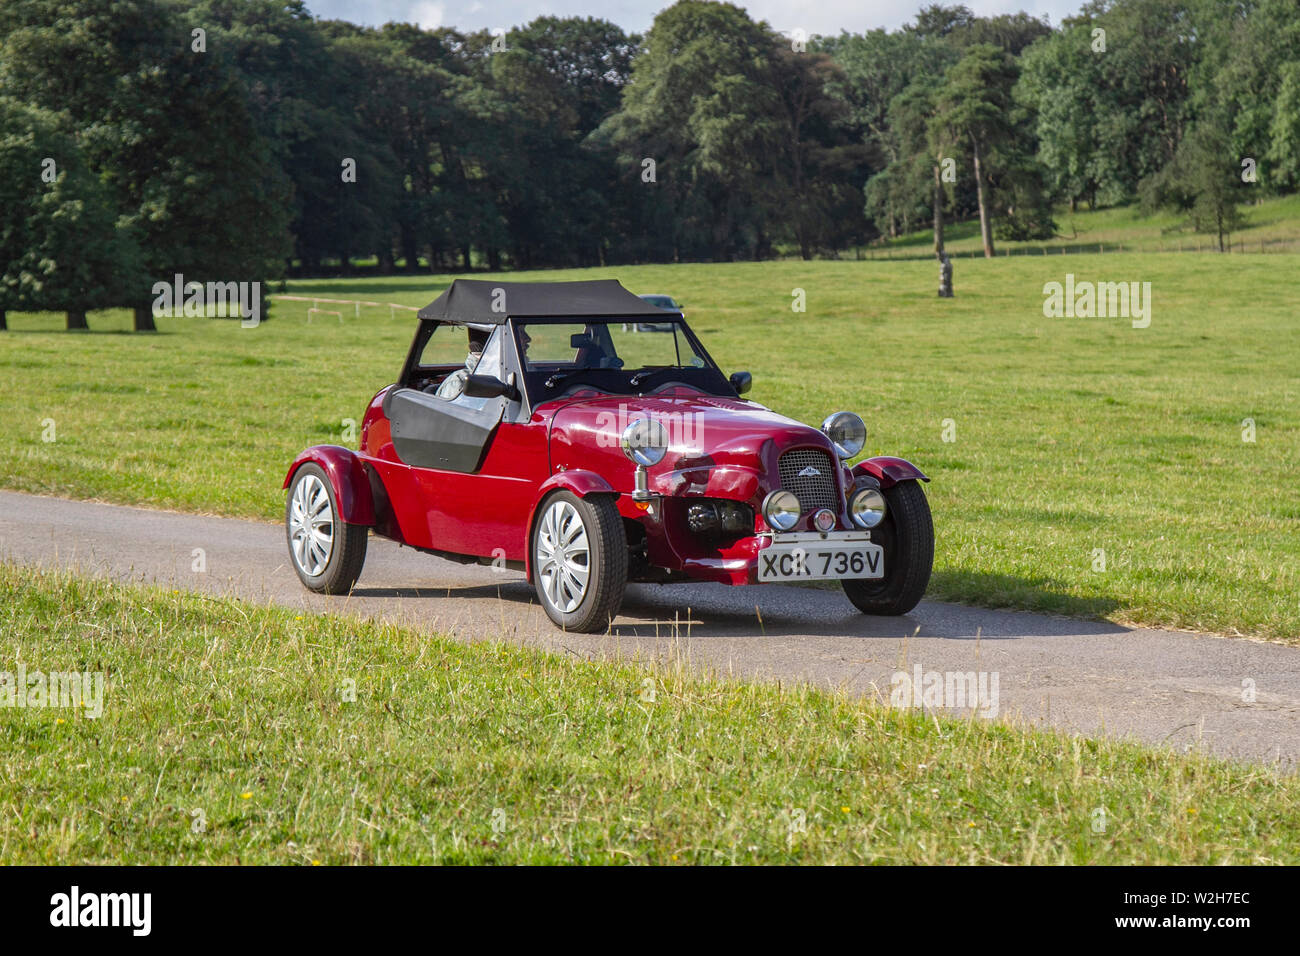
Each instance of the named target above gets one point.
<point>326,551</point>
<point>579,557</point>
<point>907,537</point>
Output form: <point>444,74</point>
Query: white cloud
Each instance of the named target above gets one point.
<point>427,14</point>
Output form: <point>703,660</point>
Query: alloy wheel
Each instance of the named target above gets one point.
<point>563,556</point>
<point>311,526</point>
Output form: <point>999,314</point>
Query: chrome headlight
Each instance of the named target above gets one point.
<point>847,432</point>
<point>645,442</point>
<point>781,509</point>
<point>867,507</point>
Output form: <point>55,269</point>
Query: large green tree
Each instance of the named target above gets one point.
<point>1203,180</point>
<point>60,247</point>
<point>164,126</point>
<point>972,110</point>
<point>700,107</point>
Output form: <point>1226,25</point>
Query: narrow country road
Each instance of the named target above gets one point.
<point>1167,688</point>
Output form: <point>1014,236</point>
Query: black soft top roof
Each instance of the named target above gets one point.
<point>486,302</point>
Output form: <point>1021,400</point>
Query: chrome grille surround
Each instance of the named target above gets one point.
<point>813,491</point>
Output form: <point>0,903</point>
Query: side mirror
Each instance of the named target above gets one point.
<point>486,386</point>
<point>741,382</point>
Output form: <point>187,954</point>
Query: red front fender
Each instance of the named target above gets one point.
<point>889,471</point>
<point>347,477</point>
<point>577,481</point>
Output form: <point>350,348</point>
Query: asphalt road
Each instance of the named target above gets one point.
<point>1168,688</point>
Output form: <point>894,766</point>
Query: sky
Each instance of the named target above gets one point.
<point>813,16</point>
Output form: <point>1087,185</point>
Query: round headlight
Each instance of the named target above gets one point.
<point>645,442</point>
<point>867,507</point>
<point>847,431</point>
<point>781,509</point>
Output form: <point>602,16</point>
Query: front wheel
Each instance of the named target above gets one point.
<point>907,537</point>
<point>326,551</point>
<point>579,561</point>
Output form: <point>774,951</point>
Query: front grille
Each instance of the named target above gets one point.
<point>813,491</point>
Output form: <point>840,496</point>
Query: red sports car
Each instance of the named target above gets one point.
<point>565,446</point>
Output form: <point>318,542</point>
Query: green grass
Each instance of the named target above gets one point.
<point>1273,222</point>
<point>1072,435</point>
<point>226,738</point>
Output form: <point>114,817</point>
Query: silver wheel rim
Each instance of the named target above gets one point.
<point>311,526</point>
<point>563,557</point>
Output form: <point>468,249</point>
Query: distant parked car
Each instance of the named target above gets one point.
<point>665,302</point>
<point>588,457</point>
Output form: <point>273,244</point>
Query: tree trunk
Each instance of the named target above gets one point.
<point>143,318</point>
<point>938,212</point>
<point>3,324</point>
<point>77,320</point>
<point>986,230</point>
<point>410,249</point>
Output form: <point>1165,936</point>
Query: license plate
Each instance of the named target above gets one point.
<point>820,559</point>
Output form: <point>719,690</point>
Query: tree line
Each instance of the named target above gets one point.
<point>235,140</point>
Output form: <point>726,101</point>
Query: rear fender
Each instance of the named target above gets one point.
<point>348,477</point>
<point>889,471</point>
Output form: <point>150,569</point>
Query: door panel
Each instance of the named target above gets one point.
<point>486,513</point>
<point>431,432</point>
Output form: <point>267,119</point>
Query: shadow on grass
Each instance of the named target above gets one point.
<point>79,332</point>
<point>1005,591</point>
<point>368,289</point>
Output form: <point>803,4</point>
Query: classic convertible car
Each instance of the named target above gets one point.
<point>587,457</point>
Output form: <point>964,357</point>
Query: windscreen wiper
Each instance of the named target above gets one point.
<point>558,377</point>
<point>648,372</point>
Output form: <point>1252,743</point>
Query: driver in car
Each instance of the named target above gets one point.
<point>454,383</point>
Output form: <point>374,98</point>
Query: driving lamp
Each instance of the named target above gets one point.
<point>847,432</point>
<point>867,506</point>
<point>645,442</point>
<point>781,509</point>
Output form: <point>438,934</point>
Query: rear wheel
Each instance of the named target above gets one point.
<point>326,551</point>
<point>579,561</point>
<point>907,536</point>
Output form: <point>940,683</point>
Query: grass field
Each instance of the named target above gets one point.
<point>1071,436</point>
<point>1271,226</point>
<point>228,736</point>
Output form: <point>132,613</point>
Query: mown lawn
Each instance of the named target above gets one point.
<point>1095,468</point>
<point>239,734</point>
<point>1274,223</point>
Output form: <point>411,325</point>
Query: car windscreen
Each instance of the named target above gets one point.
<point>614,355</point>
